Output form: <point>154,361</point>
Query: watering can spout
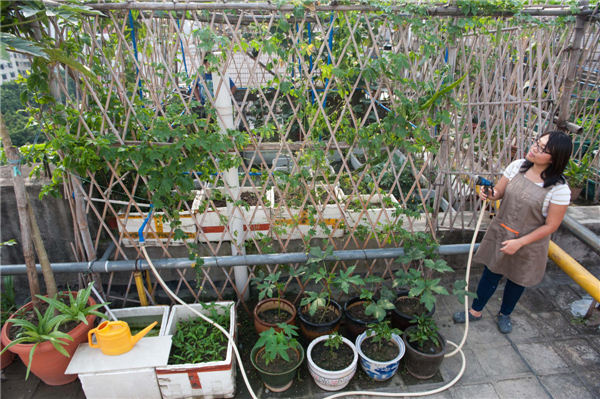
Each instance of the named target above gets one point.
<point>141,334</point>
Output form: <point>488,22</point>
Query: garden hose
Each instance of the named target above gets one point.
<point>458,348</point>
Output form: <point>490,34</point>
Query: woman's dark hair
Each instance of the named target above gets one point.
<point>559,146</point>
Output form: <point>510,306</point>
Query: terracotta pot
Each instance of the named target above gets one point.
<point>422,365</point>
<point>402,321</point>
<point>576,192</point>
<point>6,358</point>
<point>272,303</point>
<point>309,331</point>
<point>48,364</point>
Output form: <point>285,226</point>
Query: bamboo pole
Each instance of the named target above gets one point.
<point>13,156</point>
<point>40,249</point>
<point>565,99</point>
<point>431,11</point>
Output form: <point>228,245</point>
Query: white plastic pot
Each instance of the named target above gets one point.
<point>331,380</point>
<point>380,371</point>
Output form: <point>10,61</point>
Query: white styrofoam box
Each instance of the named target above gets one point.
<point>127,376</point>
<point>331,214</point>
<point>206,380</point>
<point>159,313</point>
<point>122,384</point>
<point>215,229</point>
<point>377,215</point>
<point>156,230</point>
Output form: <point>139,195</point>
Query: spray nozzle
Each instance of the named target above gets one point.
<point>487,184</point>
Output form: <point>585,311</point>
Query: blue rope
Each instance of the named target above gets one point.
<point>135,52</point>
<point>141,230</point>
<point>183,53</point>
<point>16,165</point>
<point>312,93</point>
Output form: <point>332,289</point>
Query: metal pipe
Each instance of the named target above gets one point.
<point>578,273</point>
<point>229,261</point>
<point>582,233</point>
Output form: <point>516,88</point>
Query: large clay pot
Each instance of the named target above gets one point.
<point>48,364</point>
<point>421,365</point>
<point>576,192</point>
<point>272,303</point>
<point>402,321</point>
<point>310,331</point>
<point>6,358</point>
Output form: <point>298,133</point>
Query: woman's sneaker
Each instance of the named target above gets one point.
<point>459,317</point>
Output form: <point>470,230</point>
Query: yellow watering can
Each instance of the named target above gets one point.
<point>114,337</point>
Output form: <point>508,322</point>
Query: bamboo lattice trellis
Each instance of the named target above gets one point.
<point>514,78</point>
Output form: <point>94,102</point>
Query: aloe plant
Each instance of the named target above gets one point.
<point>77,309</point>
<point>45,330</point>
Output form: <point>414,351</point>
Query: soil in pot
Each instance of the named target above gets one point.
<point>249,198</point>
<point>361,158</point>
<point>358,312</point>
<point>318,317</point>
<point>410,306</point>
<point>279,365</point>
<point>339,359</point>
<point>384,353</point>
<point>273,316</point>
<point>429,348</point>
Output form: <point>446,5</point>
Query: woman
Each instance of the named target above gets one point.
<point>535,199</point>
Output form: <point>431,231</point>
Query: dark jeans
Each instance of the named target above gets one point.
<point>487,287</point>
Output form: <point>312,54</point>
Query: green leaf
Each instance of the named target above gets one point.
<point>428,300</point>
<point>20,45</point>
<point>56,55</point>
<point>440,93</point>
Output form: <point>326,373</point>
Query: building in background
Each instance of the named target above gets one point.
<point>10,70</point>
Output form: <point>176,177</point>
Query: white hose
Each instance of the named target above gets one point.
<point>351,393</point>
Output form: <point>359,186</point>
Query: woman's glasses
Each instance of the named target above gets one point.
<point>540,148</point>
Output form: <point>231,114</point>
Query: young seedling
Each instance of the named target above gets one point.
<point>426,331</point>
<point>277,343</point>
<point>382,333</point>
<point>333,343</point>
<point>269,284</point>
<point>322,276</point>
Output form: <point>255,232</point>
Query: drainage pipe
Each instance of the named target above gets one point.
<point>228,261</point>
<point>582,233</point>
<point>236,221</point>
<point>578,273</point>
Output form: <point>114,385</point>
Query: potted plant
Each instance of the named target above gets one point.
<point>332,361</point>
<point>319,314</point>
<point>7,309</point>
<point>425,348</point>
<point>201,362</point>
<point>46,345</point>
<point>367,307</point>
<point>380,350</point>
<point>270,312</point>
<point>577,175</point>
<point>420,298</point>
<point>276,356</point>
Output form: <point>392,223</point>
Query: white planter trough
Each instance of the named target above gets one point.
<point>378,213</point>
<point>285,218</point>
<point>156,230</point>
<point>200,380</point>
<point>331,380</point>
<point>380,371</point>
<point>140,317</point>
<point>213,224</point>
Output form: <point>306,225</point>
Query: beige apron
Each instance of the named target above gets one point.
<point>520,213</point>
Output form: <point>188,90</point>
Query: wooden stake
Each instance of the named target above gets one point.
<point>12,154</point>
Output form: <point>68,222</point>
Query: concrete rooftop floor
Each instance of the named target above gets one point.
<point>549,354</point>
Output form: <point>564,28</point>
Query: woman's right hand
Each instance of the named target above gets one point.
<point>486,194</point>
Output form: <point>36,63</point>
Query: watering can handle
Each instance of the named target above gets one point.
<point>92,345</point>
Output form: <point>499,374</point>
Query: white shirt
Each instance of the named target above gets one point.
<point>559,194</point>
